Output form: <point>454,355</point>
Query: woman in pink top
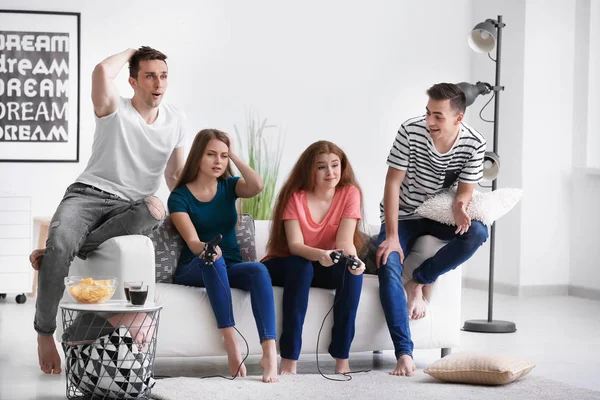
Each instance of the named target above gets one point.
<point>317,212</point>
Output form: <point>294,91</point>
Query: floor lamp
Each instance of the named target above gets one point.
<point>484,38</point>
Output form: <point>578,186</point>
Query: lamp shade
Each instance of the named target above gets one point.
<point>482,38</point>
<point>472,91</point>
<point>491,166</point>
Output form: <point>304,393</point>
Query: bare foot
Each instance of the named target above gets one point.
<point>288,367</point>
<point>342,366</point>
<point>234,356</point>
<point>35,258</point>
<point>268,362</point>
<point>427,292</point>
<point>416,304</point>
<point>405,366</point>
<point>48,355</point>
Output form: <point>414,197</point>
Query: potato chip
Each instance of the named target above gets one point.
<point>91,291</point>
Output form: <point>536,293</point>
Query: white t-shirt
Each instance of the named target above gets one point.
<point>427,170</point>
<point>129,157</point>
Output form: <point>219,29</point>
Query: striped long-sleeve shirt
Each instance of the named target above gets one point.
<point>427,170</point>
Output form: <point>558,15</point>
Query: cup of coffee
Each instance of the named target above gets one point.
<point>128,285</point>
<point>138,295</point>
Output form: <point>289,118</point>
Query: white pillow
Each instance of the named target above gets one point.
<point>485,207</point>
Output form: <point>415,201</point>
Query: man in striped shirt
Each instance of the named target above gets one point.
<point>430,153</point>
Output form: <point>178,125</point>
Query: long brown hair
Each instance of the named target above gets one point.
<point>192,164</point>
<point>301,178</point>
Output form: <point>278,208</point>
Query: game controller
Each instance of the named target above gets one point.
<point>210,250</point>
<point>348,261</point>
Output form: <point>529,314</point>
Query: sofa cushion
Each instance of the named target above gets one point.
<point>168,244</point>
<point>246,238</point>
<point>485,207</point>
<point>368,254</point>
<point>167,249</point>
<point>480,369</point>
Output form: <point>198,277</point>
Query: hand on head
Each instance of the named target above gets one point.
<point>231,145</point>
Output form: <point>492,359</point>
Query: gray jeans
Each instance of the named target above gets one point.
<point>85,218</point>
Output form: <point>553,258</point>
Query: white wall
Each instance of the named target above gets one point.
<point>584,213</point>
<point>343,71</point>
<point>548,67</point>
<point>351,74</point>
<point>510,135</point>
<point>547,141</point>
<point>585,252</point>
<point>592,21</point>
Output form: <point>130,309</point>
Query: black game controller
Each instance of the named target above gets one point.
<point>210,250</point>
<point>348,261</point>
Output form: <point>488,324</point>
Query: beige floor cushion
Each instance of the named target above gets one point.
<point>481,369</point>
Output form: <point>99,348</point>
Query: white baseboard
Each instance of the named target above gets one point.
<point>533,290</point>
<point>543,290</point>
<point>502,288</point>
<point>586,293</point>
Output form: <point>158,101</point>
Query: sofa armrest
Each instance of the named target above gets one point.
<point>127,258</point>
<point>445,301</point>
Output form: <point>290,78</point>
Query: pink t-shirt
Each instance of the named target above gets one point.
<point>345,204</point>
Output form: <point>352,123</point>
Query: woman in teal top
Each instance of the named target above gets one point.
<point>203,206</point>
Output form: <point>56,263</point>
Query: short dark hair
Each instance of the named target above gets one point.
<point>449,91</point>
<point>144,53</point>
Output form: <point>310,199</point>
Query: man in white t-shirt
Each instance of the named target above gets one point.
<point>137,141</point>
<point>430,153</point>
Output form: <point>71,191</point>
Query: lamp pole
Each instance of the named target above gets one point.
<point>489,325</point>
<point>497,90</point>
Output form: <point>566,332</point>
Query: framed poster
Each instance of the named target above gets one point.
<point>39,86</point>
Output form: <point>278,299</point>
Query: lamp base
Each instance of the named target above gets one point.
<point>485,326</point>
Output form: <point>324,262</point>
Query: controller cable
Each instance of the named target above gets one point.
<point>352,263</point>
<point>209,253</point>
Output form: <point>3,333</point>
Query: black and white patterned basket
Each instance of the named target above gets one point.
<point>113,366</point>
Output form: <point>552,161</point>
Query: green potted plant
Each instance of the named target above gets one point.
<point>261,147</point>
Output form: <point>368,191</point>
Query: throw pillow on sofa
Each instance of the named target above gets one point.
<point>168,244</point>
<point>167,249</point>
<point>368,253</point>
<point>246,238</point>
<point>485,207</point>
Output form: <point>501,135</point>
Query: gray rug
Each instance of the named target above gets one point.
<point>375,384</point>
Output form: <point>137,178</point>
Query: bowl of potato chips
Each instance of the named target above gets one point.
<point>90,290</point>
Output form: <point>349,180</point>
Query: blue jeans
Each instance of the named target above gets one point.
<point>248,276</point>
<point>458,250</point>
<point>84,219</point>
<point>297,275</point>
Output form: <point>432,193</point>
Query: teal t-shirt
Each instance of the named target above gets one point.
<point>210,218</point>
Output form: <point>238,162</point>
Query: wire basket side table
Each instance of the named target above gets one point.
<point>109,349</point>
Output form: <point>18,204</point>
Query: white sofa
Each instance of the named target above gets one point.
<point>188,326</point>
